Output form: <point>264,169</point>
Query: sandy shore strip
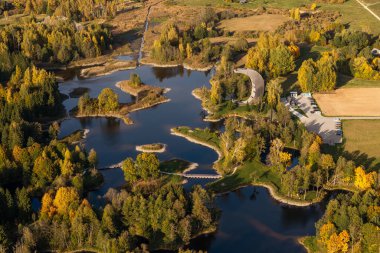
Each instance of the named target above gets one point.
<point>171,65</point>
<point>274,194</point>
<point>151,105</point>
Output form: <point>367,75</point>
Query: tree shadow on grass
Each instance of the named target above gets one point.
<point>342,80</point>
<point>360,158</point>
<point>127,37</point>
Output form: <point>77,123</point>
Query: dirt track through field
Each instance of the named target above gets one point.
<point>350,102</point>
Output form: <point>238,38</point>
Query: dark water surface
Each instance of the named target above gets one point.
<point>251,220</point>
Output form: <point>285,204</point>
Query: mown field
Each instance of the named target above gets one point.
<point>350,102</point>
<point>362,137</point>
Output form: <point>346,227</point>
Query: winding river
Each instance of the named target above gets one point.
<point>251,220</point>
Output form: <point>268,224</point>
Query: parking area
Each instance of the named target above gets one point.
<point>305,108</point>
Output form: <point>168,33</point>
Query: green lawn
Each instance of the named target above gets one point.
<point>202,135</point>
<point>242,111</point>
<point>245,175</point>
<point>355,15</point>
<point>362,140</point>
<point>350,82</point>
<point>250,173</point>
<point>174,166</point>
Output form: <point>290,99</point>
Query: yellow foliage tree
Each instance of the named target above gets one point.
<point>361,69</point>
<point>47,207</point>
<point>364,181</point>
<point>295,50</point>
<point>189,50</point>
<point>66,199</point>
<point>285,158</point>
<point>325,232</point>
<point>338,243</point>
<point>216,92</point>
<point>295,14</point>
<point>314,36</point>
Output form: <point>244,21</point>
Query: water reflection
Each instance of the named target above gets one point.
<point>252,221</point>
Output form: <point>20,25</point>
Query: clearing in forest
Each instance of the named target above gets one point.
<point>350,102</point>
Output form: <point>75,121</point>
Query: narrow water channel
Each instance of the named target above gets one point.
<point>251,221</point>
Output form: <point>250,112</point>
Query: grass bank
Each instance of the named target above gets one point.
<point>256,173</point>
<point>200,136</point>
<point>176,166</point>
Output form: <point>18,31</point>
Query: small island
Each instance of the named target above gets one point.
<point>152,148</point>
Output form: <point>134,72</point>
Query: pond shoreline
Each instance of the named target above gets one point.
<point>173,65</point>
<point>193,140</point>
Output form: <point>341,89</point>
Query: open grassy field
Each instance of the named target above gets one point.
<point>375,8</point>
<point>349,82</point>
<point>355,15</point>
<point>265,22</point>
<point>352,12</point>
<point>350,102</point>
<point>370,1</point>
<point>362,136</point>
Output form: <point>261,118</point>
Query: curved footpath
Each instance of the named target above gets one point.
<point>257,82</point>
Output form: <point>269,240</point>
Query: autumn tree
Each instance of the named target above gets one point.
<point>145,167</point>
<point>66,200</point>
<point>295,14</point>
<point>364,181</point>
<point>360,68</point>
<point>277,157</point>
<point>338,243</point>
<point>93,158</point>
<point>108,100</point>
<point>216,92</point>
<point>317,76</point>
<point>274,91</point>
